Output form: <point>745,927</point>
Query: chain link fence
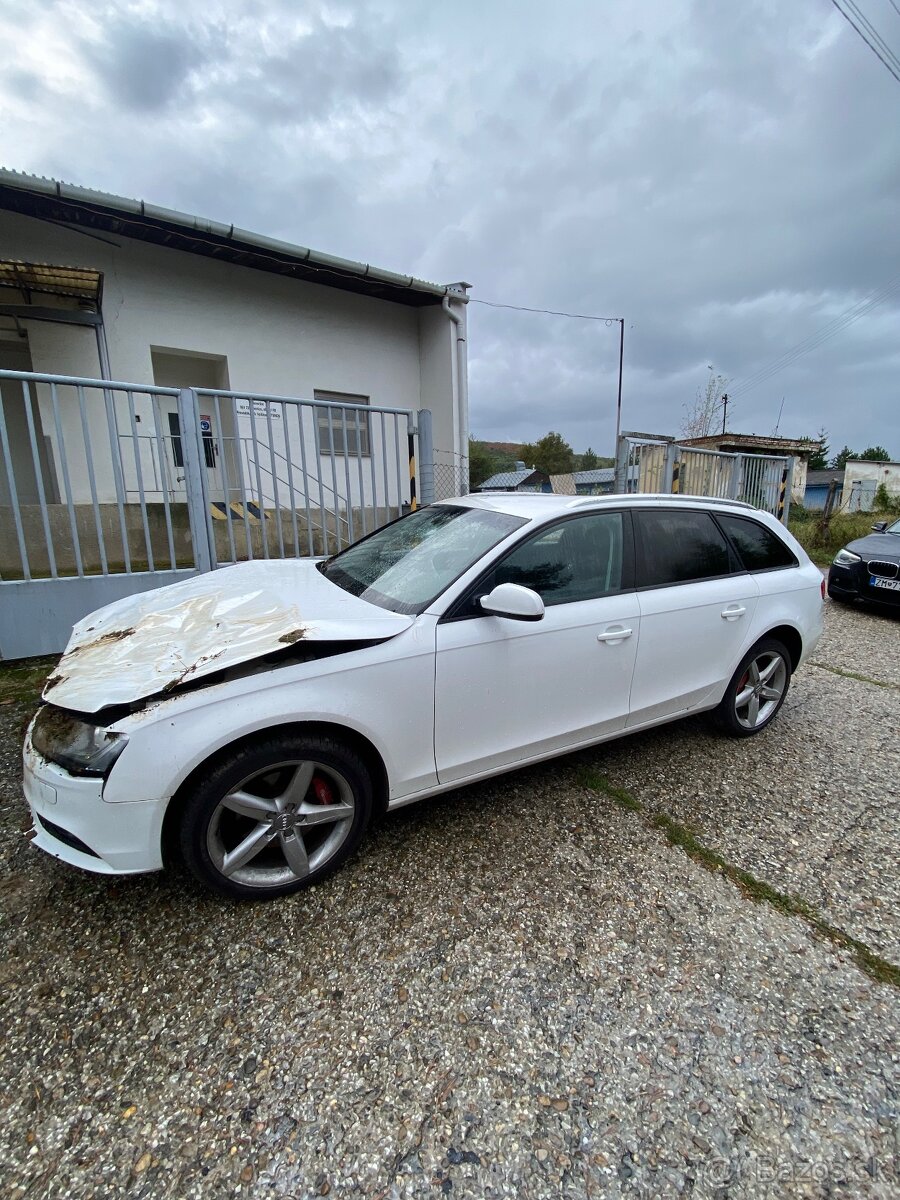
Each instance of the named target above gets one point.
<point>451,476</point>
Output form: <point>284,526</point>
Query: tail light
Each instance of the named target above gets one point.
<point>822,585</point>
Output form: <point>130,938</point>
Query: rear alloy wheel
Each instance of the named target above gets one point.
<point>276,817</point>
<point>756,691</point>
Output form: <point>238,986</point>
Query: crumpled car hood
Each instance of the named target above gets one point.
<point>158,640</point>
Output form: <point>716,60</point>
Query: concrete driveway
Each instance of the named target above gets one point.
<point>664,967</point>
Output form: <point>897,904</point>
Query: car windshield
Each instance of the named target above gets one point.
<point>409,563</point>
<point>895,528</point>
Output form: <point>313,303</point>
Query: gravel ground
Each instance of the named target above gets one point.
<point>519,989</point>
<point>813,808</point>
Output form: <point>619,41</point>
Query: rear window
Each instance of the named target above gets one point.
<point>680,545</point>
<point>759,548</point>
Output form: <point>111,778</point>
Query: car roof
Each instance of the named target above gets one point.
<point>541,505</point>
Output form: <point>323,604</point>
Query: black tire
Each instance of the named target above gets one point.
<point>281,801</point>
<point>741,719</point>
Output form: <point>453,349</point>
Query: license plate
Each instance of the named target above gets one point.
<point>892,584</point>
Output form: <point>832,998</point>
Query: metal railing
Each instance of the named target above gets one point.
<point>661,465</point>
<point>278,462</point>
<point>108,488</point>
<point>81,455</point>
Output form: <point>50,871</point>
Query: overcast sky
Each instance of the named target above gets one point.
<point>725,175</point>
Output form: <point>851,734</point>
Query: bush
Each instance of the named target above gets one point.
<point>885,502</point>
<point>822,545</point>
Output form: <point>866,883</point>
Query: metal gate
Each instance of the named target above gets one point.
<point>110,488</point>
<point>658,465</point>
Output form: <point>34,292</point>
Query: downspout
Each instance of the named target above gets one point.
<point>461,397</point>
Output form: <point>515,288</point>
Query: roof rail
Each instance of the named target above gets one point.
<point>668,497</point>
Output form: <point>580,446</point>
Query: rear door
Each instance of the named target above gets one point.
<point>697,605</point>
<point>507,690</point>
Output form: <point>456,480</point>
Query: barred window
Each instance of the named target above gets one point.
<point>342,432</point>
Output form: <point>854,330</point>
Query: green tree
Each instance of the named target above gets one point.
<point>482,464</point>
<point>819,459</point>
<point>841,459</point>
<point>875,454</point>
<point>551,454</point>
<point>589,460</point>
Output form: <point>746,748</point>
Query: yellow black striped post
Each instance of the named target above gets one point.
<point>676,477</point>
<point>782,492</point>
<point>411,447</point>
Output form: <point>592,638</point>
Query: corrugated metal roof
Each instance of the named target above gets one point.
<point>508,479</point>
<point>82,283</point>
<point>66,203</point>
<point>596,475</point>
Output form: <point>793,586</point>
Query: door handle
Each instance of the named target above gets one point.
<point>614,634</point>
<point>733,611</point>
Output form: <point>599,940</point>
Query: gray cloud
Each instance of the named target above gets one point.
<point>724,176</point>
<point>145,64</point>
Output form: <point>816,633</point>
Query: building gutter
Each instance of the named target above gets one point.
<point>461,389</point>
<point>138,219</point>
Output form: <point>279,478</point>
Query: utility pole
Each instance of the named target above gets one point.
<point>724,411</point>
<point>621,321</point>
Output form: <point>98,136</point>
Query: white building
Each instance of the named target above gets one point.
<point>862,478</point>
<point>98,286</point>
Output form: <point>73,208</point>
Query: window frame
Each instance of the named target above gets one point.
<point>735,561</point>
<point>464,607</point>
<point>339,423</point>
<point>792,565</point>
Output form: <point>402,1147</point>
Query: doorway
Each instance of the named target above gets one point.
<point>190,369</point>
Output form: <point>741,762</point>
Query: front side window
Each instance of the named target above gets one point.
<point>342,431</point>
<point>578,559</point>
<point>759,548</point>
<point>679,545</point>
<point>408,564</point>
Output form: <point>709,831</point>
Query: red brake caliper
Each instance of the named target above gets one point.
<point>322,788</point>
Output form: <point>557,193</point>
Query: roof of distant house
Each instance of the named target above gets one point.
<point>818,478</point>
<point>512,479</point>
<point>753,442</point>
<point>68,204</point>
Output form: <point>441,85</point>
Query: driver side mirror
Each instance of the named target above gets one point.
<point>513,601</point>
<point>879,527</point>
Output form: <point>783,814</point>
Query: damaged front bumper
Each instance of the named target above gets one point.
<point>73,822</point>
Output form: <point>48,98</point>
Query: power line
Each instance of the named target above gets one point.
<point>872,31</point>
<point>895,6</point>
<point>895,71</point>
<point>814,340</point>
<point>820,336</point>
<point>550,312</point>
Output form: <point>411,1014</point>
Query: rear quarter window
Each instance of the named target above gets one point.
<point>759,548</point>
<point>681,545</point>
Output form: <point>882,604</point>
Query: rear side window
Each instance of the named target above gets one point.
<point>678,546</point>
<point>760,549</point>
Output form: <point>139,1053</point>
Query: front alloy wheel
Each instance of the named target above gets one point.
<point>756,691</point>
<point>273,818</point>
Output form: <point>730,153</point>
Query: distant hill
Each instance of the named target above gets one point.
<point>512,449</point>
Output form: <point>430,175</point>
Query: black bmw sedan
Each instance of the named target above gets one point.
<point>869,568</point>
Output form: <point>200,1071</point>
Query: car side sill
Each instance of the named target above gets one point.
<point>520,763</point>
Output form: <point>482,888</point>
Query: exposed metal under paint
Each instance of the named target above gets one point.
<point>155,642</point>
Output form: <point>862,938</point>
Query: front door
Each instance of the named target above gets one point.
<point>507,691</point>
<point>170,432</point>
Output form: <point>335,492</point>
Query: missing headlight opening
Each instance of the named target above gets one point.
<point>80,747</point>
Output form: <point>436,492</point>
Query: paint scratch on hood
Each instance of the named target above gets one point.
<point>156,641</point>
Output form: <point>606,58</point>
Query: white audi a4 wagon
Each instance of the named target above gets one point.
<point>249,722</point>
